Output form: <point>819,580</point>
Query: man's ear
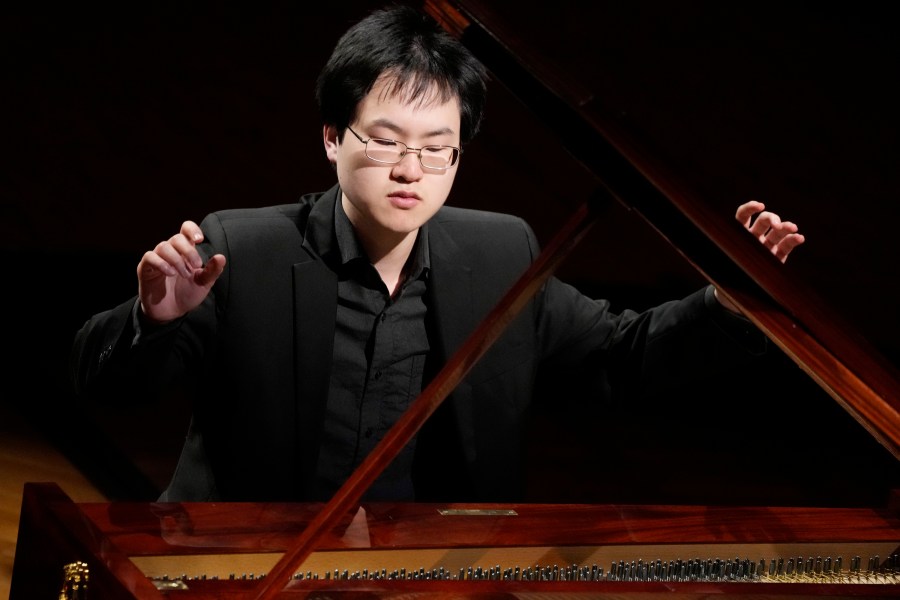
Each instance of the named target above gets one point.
<point>330,139</point>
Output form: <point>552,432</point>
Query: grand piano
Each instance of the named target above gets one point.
<point>667,111</point>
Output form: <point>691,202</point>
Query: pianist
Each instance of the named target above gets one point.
<point>303,331</point>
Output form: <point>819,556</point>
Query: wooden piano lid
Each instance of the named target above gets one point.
<point>685,113</point>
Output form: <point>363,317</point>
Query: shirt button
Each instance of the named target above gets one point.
<point>377,374</point>
<point>383,317</point>
<point>369,432</point>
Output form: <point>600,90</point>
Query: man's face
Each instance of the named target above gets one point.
<point>386,203</point>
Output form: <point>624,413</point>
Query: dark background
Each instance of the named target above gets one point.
<point>121,121</point>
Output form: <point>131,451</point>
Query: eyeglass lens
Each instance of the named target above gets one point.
<point>434,157</point>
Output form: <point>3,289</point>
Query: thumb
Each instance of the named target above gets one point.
<point>210,273</point>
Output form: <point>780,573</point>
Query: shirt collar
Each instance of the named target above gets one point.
<point>331,236</point>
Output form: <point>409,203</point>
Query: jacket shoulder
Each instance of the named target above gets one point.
<point>281,211</point>
<point>453,214</point>
<point>295,213</point>
<point>470,227</point>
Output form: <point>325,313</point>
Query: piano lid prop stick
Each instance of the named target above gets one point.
<point>487,332</point>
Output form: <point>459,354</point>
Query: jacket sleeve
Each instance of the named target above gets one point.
<point>636,354</point>
<point>116,355</point>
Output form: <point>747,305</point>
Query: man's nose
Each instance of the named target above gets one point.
<point>409,167</point>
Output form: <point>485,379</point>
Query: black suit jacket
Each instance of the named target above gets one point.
<point>257,353</point>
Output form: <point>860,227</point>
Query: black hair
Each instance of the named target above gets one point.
<point>409,47</point>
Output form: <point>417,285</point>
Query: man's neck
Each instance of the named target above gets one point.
<point>388,251</point>
<point>390,257</point>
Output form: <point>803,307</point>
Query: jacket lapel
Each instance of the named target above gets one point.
<point>315,291</point>
<point>315,310</point>
<point>451,295</point>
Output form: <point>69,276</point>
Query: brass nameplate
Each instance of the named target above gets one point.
<point>477,512</point>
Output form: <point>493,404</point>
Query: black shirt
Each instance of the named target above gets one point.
<point>380,347</point>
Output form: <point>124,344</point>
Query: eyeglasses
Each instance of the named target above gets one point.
<point>391,152</point>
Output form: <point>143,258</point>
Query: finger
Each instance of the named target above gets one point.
<point>780,231</point>
<point>794,240</point>
<point>208,275</point>
<point>746,211</point>
<point>763,223</point>
<point>187,248</point>
<point>787,245</point>
<point>152,265</point>
<point>191,231</point>
<point>185,242</point>
<point>173,252</point>
<point>789,226</point>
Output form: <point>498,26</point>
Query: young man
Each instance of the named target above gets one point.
<point>304,331</point>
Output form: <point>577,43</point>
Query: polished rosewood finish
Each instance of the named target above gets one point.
<point>119,540</point>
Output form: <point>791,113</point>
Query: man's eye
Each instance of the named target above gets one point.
<point>384,143</point>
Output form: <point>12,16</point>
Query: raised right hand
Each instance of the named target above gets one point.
<point>172,279</point>
<point>780,237</point>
